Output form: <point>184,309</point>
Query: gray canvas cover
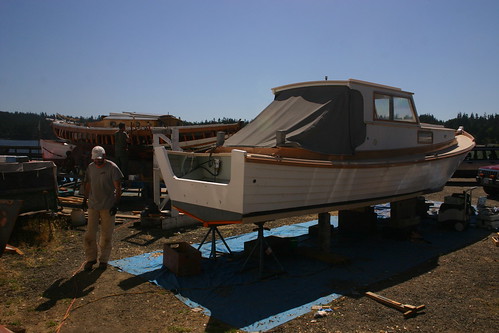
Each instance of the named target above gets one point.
<point>323,119</point>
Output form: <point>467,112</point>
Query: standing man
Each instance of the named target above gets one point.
<point>103,190</point>
<point>121,141</point>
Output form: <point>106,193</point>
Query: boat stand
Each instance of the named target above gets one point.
<point>213,231</point>
<point>263,249</point>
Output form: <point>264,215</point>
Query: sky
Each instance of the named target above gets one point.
<point>200,60</point>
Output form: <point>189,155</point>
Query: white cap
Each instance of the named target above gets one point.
<point>98,152</point>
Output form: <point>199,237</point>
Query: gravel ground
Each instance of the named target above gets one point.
<point>44,290</point>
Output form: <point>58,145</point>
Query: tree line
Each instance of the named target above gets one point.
<point>483,128</point>
<point>32,126</point>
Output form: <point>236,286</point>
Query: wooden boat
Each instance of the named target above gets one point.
<point>319,146</point>
<point>140,128</point>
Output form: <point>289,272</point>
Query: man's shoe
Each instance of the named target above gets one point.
<point>103,266</point>
<point>89,265</point>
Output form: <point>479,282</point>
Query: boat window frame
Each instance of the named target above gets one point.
<point>391,106</point>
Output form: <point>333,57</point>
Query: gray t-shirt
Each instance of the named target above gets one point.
<point>101,180</point>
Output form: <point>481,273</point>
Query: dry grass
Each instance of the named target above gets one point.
<point>40,231</point>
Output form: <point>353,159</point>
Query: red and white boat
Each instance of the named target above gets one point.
<point>55,149</point>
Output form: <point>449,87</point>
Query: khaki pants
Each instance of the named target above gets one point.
<point>106,235</point>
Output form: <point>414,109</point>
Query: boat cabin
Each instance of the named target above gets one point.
<point>341,118</point>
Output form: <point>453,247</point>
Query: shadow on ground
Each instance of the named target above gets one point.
<point>245,300</point>
<point>79,285</point>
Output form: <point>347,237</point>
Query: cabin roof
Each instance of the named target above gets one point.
<point>349,83</point>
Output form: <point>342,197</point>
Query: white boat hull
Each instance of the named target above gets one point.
<point>261,190</point>
<point>55,150</point>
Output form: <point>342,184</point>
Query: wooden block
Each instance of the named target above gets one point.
<point>181,258</point>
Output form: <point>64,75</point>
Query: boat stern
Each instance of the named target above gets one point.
<point>207,187</point>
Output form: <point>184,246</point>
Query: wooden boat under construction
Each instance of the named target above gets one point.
<point>140,128</point>
<point>319,146</point>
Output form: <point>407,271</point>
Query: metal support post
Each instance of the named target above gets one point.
<point>263,249</point>
<point>324,232</point>
<point>214,229</point>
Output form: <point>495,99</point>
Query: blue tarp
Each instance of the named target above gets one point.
<point>244,300</point>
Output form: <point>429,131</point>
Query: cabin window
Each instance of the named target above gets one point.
<point>402,109</point>
<point>393,108</point>
<point>382,107</point>
<point>425,137</point>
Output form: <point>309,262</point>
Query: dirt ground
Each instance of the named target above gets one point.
<point>45,289</point>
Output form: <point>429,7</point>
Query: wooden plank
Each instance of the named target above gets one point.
<point>67,211</point>
<point>407,309</point>
<point>13,249</point>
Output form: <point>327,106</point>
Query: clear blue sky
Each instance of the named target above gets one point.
<point>211,59</point>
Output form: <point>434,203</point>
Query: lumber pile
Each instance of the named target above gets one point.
<point>70,201</point>
<point>74,201</point>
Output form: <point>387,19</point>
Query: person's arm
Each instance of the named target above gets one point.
<point>117,196</point>
<point>85,186</point>
<point>117,190</point>
<point>86,193</point>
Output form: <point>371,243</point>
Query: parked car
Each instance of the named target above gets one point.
<point>481,156</point>
<point>488,177</point>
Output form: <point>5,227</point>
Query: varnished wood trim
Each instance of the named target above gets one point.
<point>300,153</point>
<point>377,161</point>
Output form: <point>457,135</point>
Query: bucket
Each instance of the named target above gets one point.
<point>78,217</point>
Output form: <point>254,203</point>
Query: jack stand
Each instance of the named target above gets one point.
<point>212,230</point>
<point>263,248</point>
